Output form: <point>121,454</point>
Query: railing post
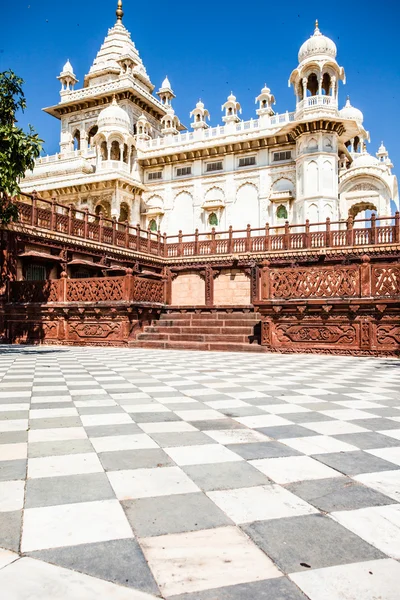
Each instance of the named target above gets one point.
<point>350,231</point>
<point>148,240</point>
<point>129,282</point>
<point>167,286</point>
<point>62,287</point>
<point>180,243</point>
<point>196,242</point>
<point>286,242</point>
<point>34,208</point>
<point>70,206</point>
<point>165,244</point>
<point>138,237</point>
<point>101,227</point>
<point>126,234</point>
<point>264,284</point>
<point>86,223</point>
<point>230,243</point>
<point>158,243</point>
<point>328,241</point>
<point>248,238</point>
<point>397,227</point>
<point>307,234</point>
<point>373,229</point>
<point>114,230</point>
<point>267,239</point>
<point>255,284</point>
<point>53,215</point>
<point>213,242</point>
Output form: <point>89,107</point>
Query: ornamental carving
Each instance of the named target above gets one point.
<point>95,290</point>
<point>388,335</point>
<point>34,291</point>
<point>316,334</point>
<point>148,290</point>
<point>363,187</point>
<point>386,281</point>
<point>93,330</point>
<point>314,283</point>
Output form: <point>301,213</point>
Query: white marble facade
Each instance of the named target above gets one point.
<point>124,152</point>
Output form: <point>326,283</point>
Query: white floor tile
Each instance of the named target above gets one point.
<point>73,524</point>
<point>393,433</point>
<point>386,482</point>
<point>200,415</point>
<point>236,436</point>
<point>318,444</point>
<point>231,403</point>
<point>280,409</point>
<point>145,483</point>
<point>6,558</point>
<point>207,559</point>
<point>11,496</point>
<point>347,414</point>
<point>145,408</point>
<point>13,407</point>
<point>14,425</point>
<point>390,454</point>
<point>201,454</point>
<point>13,451</point>
<point>94,403</point>
<point>167,427</point>
<point>260,503</point>
<point>293,468</point>
<point>377,525</point>
<point>370,580</point>
<point>263,421</point>
<point>123,442</point>
<point>52,413</point>
<point>57,434</point>
<point>333,427</point>
<point>71,464</point>
<point>106,419</point>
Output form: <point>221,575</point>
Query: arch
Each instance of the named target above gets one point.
<point>76,139</point>
<point>115,151</point>
<point>91,133</point>
<point>313,213</point>
<point>281,212</point>
<point>213,219</point>
<point>312,84</point>
<point>326,84</point>
<point>359,207</point>
<point>328,147</point>
<point>153,225</point>
<point>312,145</point>
<point>104,150</point>
<point>312,177</point>
<point>328,211</point>
<point>103,207</point>
<point>214,193</point>
<point>123,212</point>
<point>181,215</point>
<point>327,175</point>
<point>246,208</point>
<point>282,185</point>
<point>155,201</point>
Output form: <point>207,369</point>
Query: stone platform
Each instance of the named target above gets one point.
<point>140,474</point>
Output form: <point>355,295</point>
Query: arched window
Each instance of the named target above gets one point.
<point>213,219</point>
<point>77,140</point>
<point>115,153</point>
<point>123,212</point>
<point>91,133</point>
<point>153,225</point>
<point>125,157</point>
<point>326,84</point>
<point>312,84</point>
<point>103,150</point>
<point>281,212</point>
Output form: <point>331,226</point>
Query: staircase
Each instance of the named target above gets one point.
<point>219,330</point>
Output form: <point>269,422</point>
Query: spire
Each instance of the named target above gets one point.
<point>119,12</point>
<point>317,31</point>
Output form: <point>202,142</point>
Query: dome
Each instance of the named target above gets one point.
<point>166,84</point>
<point>231,98</point>
<point>365,160</point>
<point>67,68</point>
<point>113,117</point>
<point>350,112</point>
<point>317,44</point>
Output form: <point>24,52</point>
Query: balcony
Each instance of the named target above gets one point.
<point>321,105</point>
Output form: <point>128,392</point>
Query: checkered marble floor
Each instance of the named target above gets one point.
<point>138,474</point>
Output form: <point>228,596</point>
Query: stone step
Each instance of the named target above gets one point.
<point>215,346</point>
<point>192,337</point>
<point>186,329</point>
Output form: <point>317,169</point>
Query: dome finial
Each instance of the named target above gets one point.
<point>119,12</point>
<point>316,30</point>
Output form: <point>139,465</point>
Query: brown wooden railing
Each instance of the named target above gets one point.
<point>329,234</point>
<point>129,288</point>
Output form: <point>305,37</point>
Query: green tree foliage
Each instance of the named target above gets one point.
<point>18,149</point>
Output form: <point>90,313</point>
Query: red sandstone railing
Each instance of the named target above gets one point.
<point>129,288</point>
<point>329,234</point>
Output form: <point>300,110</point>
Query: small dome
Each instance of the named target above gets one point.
<point>382,149</point>
<point>200,105</point>
<point>67,68</point>
<point>231,98</point>
<point>113,117</point>
<point>365,160</point>
<point>317,44</point>
<point>166,84</point>
<point>350,112</point>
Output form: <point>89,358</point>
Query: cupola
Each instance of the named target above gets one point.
<point>350,112</point>
<point>113,118</point>
<point>317,45</point>
<point>265,100</point>
<point>231,108</point>
<point>165,93</point>
<point>67,77</point>
<point>200,116</point>
<point>170,122</point>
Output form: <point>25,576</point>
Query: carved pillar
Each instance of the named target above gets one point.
<point>365,277</point>
<point>62,288</point>
<point>265,283</point>
<point>304,82</point>
<point>128,285</point>
<point>255,284</point>
<point>209,286</point>
<point>266,333</point>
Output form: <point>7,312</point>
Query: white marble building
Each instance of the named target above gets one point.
<point>124,152</point>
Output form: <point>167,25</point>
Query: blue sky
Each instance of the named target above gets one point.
<point>208,49</point>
